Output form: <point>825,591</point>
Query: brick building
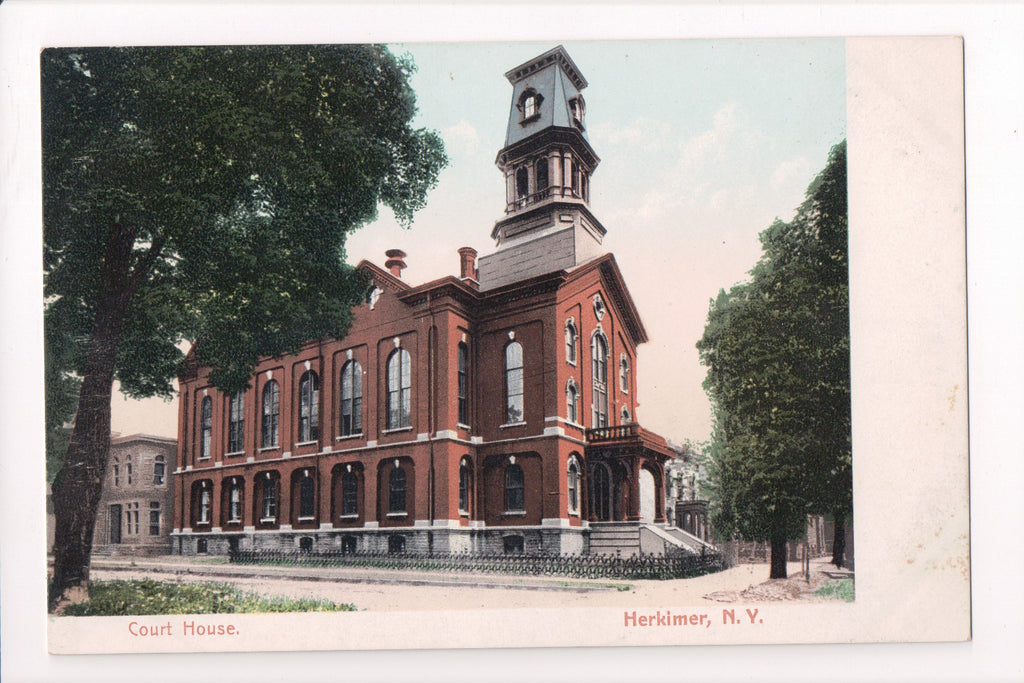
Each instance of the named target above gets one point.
<point>134,513</point>
<point>492,410</point>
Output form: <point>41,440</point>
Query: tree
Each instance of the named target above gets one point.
<point>205,194</point>
<point>777,352</point>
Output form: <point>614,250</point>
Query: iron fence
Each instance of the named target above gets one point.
<point>575,566</point>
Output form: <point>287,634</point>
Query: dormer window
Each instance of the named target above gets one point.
<point>577,107</point>
<point>529,104</point>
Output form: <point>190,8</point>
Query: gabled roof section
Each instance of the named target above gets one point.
<point>619,294</point>
<point>380,275</point>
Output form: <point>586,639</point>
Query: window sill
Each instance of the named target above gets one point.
<point>348,437</point>
<point>234,454</point>
<point>463,513</point>
<point>348,517</point>
<point>268,448</point>
<point>397,514</point>
<point>268,520</point>
<point>512,424</point>
<point>514,513</point>
<point>306,443</point>
<point>233,521</point>
<point>306,519</point>
<point>396,430</point>
<point>459,425</point>
<point>201,459</point>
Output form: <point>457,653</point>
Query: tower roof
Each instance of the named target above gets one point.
<point>555,80</point>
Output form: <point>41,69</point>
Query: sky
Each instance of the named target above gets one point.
<point>702,145</point>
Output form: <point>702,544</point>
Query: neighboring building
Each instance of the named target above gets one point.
<point>492,411</point>
<point>682,507</point>
<point>135,510</point>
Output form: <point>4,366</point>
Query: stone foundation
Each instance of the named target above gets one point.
<point>493,540</point>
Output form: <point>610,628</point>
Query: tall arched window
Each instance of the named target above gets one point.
<point>624,373</point>
<point>573,477</point>
<point>159,470</point>
<point>204,505</point>
<point>570,341</point>
<point>235,501</point>
<point>513,383</point>
<point>465,486</point>
<point>351,399</point>
<point>514,488</point>
<point>236,422</point>
<point>349,494</point>
<point>522,185</point>
<point>540,174</point>
<point>572,402</point>
<point>625,416</point>
<point>396,490</point>
<point>205,423</point>
<point>599,356</point>
<point>463,378</point>
<point>399,389</point>
<point>307,496</point>
<point>271,415</point>
<point>268,510</point>
<point>128,469</point>
<point>309,407</point>
<point>117,471</point>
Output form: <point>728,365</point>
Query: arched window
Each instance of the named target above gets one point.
<point>578,109</point>
<point>570,341</point>
<point>624,373</point>
<point>128,469</point>
<point>399,389</point>
<point>573,477</point>
<point>309,407</point>
<point>159,470</point>
<point>235,501</point>
<point>572,402</point>
<point>268,511</point>
<point>205,422</point>
<point>514,488</point>
<point>529,104</point>
<point>349,494</point>
<point>599,356</point>
<point>271,415</point>
<point>351,399</point>
<point>396,490</point>
<point>513,383</point>
<point>465,486</point>
<point>236,422</point>
<point>540,174</point>
<point>204,505</point>
<point>625,416</point>
<point>522,185</point>
<point>307,496</point>
<point>117,471</point>
<point>463,353</point>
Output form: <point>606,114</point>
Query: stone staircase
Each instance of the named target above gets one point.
<point>632,538</point>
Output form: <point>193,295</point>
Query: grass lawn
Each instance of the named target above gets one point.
<point>837,590</point>
<point>146,596</point>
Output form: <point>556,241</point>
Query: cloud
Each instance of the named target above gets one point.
<point>462,139</point>
<point>791,171</point>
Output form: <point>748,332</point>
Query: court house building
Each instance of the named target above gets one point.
<point>491,410</point>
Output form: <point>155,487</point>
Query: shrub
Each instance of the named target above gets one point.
<point>837,590</point>
<point>146,596</point>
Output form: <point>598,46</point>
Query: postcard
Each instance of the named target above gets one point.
<point>554,418</point>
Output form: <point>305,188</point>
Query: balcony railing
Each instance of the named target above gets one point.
<point>613,433</point>
<point>534,198</point>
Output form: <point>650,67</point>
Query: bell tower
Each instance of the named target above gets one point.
<point>547,162</point>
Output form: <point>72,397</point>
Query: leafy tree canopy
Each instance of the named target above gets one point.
<point>778,356</point>
<point>236,173</point>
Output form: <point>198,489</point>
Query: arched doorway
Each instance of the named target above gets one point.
<point>648,505</point>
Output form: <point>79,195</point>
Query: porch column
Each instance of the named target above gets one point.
<point>633,511</point>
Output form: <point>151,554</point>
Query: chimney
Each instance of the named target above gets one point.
<point>467,264</point>
<point>395,262</point>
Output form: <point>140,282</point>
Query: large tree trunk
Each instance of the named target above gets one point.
<point>779,558</point>
<point>839,539</point>
<point>79,482</point>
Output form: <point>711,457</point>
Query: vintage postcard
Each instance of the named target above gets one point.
<point>642,342</point>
